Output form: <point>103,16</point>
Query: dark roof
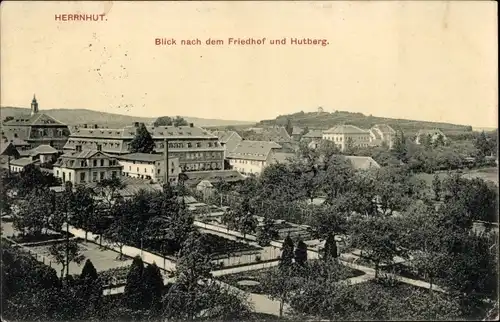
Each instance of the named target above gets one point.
<point>282,157</point>
<point>195,177</point>
<point>158,132</point>
<point>147,157</point>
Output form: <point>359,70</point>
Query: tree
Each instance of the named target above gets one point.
<point>436,187</point>
<point>378,238</point>
<point>301,253</point>
<point>163,121</point>
<point>90,289</point>
<point>179,121</point>
<point>142,142</point>
<point>64,254</point>
<point>280,285</point>
<point>36,213</point>
<point>482,145</point>
<point>267,232</point>
<point>328,219</point>
<point>400,148</point>
<point>134,288</point>
<point>153,288</point>
<point>289,127</point>
<point>107,190</point>
<point>247,224</point>
<point>330,250</point>
<point>287,253</point>
<point>83,208</point>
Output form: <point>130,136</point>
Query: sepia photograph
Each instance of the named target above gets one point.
<point>249,161</point>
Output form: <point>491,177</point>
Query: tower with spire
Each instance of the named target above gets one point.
<point>34,106</point>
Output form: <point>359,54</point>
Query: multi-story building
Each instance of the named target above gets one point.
<point>312,135</point>
<point>382,134</point>
<point>345,135</point>
<point>30,131</point>
<point>149,166</point>
<point>86,166</point>
<point>195,147</point>
<point>251,157</point>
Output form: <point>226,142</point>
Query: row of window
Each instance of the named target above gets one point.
<point>201,166</point>
<point>98,162</point>
<point>172,169</point>
<point>188,145</point>
<point>253,162</point>
<point>49,132</point>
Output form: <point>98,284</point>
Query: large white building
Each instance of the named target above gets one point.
<point>79,167</point>
<point>251,157</point>
<point>149,166</point>
<point>343,135</point>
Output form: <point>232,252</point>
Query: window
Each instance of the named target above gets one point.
<point>102,162</point>
<point>159,171</point>
<point>137,169</point>
<point>95,163</point>
<point>94,176</point>
<point>113,174</point>
<point>198,145</point>
<point>145,170</point>
<point>82,163</point>
<point>69,176</point>
<point>102,175</point>
<point>209,144</point>
<point>57,173</point>
<point>189,145</point>
<point>82,177</point>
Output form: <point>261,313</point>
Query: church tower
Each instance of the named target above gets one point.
<point>34,106</point>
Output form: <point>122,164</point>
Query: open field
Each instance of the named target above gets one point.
<point>490,174</point>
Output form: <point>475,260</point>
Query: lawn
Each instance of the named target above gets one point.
<point>254,281</point>
<point>103,259</point>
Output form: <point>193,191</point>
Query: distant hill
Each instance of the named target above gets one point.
<point>326,120</point>
<point>110,120</point>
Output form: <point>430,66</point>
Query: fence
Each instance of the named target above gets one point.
<point>39,257</point>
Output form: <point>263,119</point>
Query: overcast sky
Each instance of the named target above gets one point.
<point>425,60</point>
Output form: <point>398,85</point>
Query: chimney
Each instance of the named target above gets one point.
<point>78,148</point>
<point>191,124</point>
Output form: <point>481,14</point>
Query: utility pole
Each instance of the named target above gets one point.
<point>165,155</point>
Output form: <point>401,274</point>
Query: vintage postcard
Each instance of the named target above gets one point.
<point>245,161</point>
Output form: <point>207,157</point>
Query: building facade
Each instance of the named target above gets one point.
<point>252,157</point>
<point>80,167</point>
<point>29,131</point>
<point>196,148</point>
<point>149,167</point>
<point>345,135</point>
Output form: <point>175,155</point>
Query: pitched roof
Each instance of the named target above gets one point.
<point>147,157</point>
<point>195,177</point>
<point>133,186</point>
<point>253,150</point>
<point>23,162</point>
<point>362,163</point>
<point>385,129</point>
<point>15,138</point>
<point>37,119</point>
<point>224,136</point>
<point>158,132</point>
<point>346,129</point>
<point>43,149</point>
<point>314,134</point>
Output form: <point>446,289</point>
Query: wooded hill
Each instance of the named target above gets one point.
<point>327,120</point>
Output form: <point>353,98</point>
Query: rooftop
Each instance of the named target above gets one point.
<point>146,157</point>
<point>253,150</point>
<point>384,128</point>
<point>346,129</point>
<point>37,119</point>
<point>158,132</point>
<point>362,163</point>
<point>314,134</point>
<point>43,149</point>
<point>23,162</point>
<point>195,177</point>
